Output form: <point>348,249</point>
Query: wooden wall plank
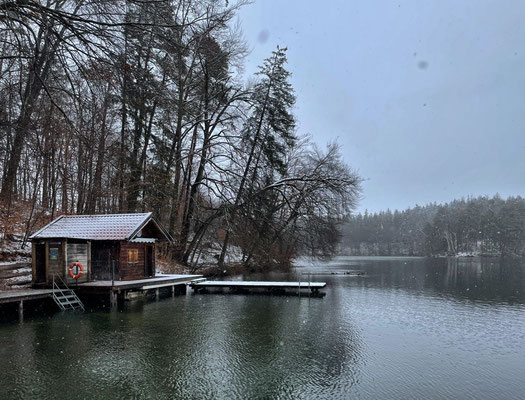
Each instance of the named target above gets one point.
<point>78,252</point>
<point>131,271</point>
<point>33,261</point>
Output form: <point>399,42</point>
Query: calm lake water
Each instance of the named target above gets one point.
<point>410,329</point>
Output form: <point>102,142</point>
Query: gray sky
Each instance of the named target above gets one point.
<point>427,98</point>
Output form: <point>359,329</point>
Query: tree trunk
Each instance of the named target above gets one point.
<point>245,175</point>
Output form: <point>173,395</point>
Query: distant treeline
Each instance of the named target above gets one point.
<point>473,226</point>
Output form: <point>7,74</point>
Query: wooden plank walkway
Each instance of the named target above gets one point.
<point>353,272</point>
<point>123,289</point>
<point>14,296</point>
<point>140,284</point>
<point>265,286</point>
<point>261,284</point>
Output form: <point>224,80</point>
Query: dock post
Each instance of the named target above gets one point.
<point>173,291</point>
<point>21,311</point>
<point>157,293</point>
<point>113,298</point>
<point>112,272</point>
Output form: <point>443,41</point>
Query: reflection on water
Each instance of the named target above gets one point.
<point>410,328</point>
<point>468,278</point>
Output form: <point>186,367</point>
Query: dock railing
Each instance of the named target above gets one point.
<point>65,297</point>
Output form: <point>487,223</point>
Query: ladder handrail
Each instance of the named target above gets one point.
<point>64,294</point>
<point>56,297</point>
<point>56,286</point>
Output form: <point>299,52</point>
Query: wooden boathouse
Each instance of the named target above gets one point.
<point>119,247</point>
<point>116,255</point>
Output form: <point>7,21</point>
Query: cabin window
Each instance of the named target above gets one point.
<point>133,255</point>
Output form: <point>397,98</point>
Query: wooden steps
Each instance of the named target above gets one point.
<point>64,297</point>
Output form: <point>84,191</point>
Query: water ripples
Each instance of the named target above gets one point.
<point>409,329</point>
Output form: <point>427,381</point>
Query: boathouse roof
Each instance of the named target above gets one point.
<point>102,227</point>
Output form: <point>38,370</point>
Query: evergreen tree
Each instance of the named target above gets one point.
<point>269,131</point>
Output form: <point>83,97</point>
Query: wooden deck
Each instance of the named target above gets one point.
<point>14,296</point>
<point>117,289</point>
<point>261,284</point>
<point>265,286</point>
<point>139,284</point>
<point>353,272</point>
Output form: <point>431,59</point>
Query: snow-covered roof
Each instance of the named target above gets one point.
<point>97,227</point>
<point>143,240</point>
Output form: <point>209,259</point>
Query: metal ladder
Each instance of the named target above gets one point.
<point>64,296</point>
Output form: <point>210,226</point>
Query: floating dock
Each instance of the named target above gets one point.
<point>264,286</point>
<point>343,272</point>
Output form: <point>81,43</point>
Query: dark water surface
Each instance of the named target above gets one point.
<point>411,328</point>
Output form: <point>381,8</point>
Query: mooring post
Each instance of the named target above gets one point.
<point>173,291</point>
<point>21,311</point>
<point>113,298</point>
<point>112,272</point>
<point>157,293</point>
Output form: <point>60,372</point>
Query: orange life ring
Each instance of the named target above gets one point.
<point>79,270</point>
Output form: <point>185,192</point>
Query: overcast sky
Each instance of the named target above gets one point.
<point>427,98</point>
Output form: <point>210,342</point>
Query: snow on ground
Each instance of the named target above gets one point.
<point>211,255</point>
<point>12,251</point>
<point>19,279</point>
<point>16,282</point>
<point>467,254</point>
<point>26,270</point>
<point>20,267</point>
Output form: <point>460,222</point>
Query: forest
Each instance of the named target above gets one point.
<point>130,106</point>
<point>475,226</point>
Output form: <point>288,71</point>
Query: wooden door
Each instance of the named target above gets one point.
<point>148,261</point>
<point>100,261</point>
<point>40,260</point>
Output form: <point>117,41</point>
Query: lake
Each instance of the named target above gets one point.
<point>412,328</point>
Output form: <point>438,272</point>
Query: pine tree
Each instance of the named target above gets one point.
<point>269,131</point>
